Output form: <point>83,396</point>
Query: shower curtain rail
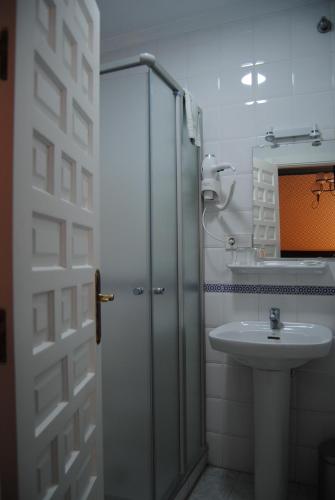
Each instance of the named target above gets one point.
<point>144,59</point>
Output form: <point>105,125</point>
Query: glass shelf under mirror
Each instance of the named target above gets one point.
<point>279,266</point>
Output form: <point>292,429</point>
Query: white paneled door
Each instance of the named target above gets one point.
<point>56,142</point>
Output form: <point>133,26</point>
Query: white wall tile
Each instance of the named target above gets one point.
<point>278,279</point>
<point>211,124</point>
<point>215,272</point>
<point>314,108</point>
<point>237,419</point>
<point>239,306</point>
<point>325,279</point>
<point>215,446</point>
<point>316,309</point>
<point>314,427</point>
<point>273,80</point>
<point>236,85</point>
<point>315,391</point>
<point>238,152</point>
<point>214,415</point>
<point>203,51</point>
<point>328,133</point>
<point>273,37</point>
<point>173,54</point>
<point>242,197</point>
<point>306,465</point>
<point>236,383</point>
<point>214,380</point>
<point>213,309</point>
<point>275,112</point>
<point>237,43</point>
<point>236,222</point>
<point>237,453</point>
<point>312,74</point>
<point>215,235</point>
<point>212,147</point>
<point>205,88</point>
<point>237,121</point>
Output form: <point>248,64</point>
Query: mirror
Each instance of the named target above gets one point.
<point>294,200</point>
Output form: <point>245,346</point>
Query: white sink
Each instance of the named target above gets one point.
<point>252,343</point>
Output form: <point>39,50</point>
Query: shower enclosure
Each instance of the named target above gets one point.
<point>152,352</point>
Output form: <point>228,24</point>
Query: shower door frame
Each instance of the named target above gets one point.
<point>150,61</point>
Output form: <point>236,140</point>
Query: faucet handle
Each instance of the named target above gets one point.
<point>275,323</point>
<point>275,312</point>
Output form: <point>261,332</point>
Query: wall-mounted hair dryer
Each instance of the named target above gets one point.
<point>214,185</point>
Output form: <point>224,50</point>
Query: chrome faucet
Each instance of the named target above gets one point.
<point>275,318</point>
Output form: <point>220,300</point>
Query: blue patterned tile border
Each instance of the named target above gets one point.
<point>269,289</point>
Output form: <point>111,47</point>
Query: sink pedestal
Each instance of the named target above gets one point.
<point>252,344</point>
<point>271,416</point>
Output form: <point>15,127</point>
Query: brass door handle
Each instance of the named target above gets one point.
<point>100,298</point>
<point>105,297</point>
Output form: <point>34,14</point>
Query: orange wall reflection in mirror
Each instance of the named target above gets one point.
<point>301,226</point>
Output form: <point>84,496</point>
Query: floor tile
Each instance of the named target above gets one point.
<point>214,484</point>
<point>307,493</point>
<point>293,491</point>
<point>222,484</point>
<point>243,488</point>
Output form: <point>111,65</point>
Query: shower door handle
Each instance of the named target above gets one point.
<point>158,290</point>
<point>100,298</point>
<point>105,297</point>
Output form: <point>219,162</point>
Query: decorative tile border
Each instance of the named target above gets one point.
<point>269,289</point>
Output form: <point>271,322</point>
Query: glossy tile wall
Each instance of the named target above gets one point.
<point>255,65</point>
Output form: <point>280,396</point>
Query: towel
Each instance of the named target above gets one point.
<point>193,116</point>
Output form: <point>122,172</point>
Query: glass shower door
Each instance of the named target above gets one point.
<point>125,269</point>
<point>164,286</point>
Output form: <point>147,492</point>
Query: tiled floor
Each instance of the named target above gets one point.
<point>222,484</point>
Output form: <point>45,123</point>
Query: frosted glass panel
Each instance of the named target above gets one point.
<point>164,275</point>
<point>125,254</point>
<point>191,281</point>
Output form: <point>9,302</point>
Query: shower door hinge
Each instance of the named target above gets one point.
<point>3,336</point>
<point>4,54</point>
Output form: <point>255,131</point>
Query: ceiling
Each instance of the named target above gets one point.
<point>125,16</point>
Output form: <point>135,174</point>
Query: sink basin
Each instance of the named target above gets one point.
<point>252,343</point>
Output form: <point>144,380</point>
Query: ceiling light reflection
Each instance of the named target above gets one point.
<point>247,79</point>
<point>260,78</point>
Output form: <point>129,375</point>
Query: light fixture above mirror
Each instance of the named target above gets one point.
<point>324,183</point>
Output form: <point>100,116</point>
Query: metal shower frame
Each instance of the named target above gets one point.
<point>149,60</point>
